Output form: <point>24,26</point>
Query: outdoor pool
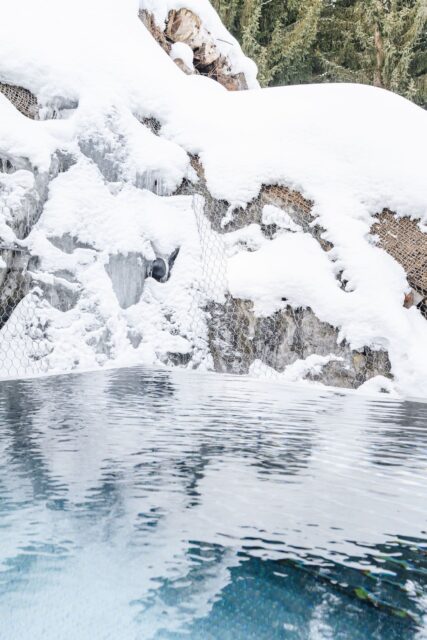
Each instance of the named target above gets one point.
<point>141,504</point>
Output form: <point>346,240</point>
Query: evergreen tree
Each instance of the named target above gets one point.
<point>374,41</point>
<point>380,42</point>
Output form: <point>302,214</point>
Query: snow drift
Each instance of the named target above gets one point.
<point>134,119</point>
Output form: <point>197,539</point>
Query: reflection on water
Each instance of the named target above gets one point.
<point>137,504</point>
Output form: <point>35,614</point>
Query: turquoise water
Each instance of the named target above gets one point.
<point>138,504</point>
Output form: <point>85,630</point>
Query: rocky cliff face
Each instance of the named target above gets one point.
<point>115,195</point>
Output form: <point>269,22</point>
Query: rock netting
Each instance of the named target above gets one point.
<point>405,241</point>
<point>238,339</point>
<point>22,99</point>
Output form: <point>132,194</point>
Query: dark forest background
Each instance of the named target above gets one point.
<point>379,42</point>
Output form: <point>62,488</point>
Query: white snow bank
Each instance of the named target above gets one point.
<point>351,149</point>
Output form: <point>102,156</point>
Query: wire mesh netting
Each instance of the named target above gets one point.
<point>21,98</point>
<point>290,343</point>
<point>24,347</point>
<point>227,335</point>
<point>403,239</point>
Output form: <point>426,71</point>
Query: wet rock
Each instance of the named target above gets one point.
<point>355,369</point>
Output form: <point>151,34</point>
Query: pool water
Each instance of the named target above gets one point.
<point>139,504</point>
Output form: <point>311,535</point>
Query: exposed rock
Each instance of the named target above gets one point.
<point>127,273</point>
<point>184,26</point>
<point>402,238</point>
<point>68,243</point>
<point>207,54</point>
<point>291,202</point>
<point>23,192</point>
<point>235,82</point>
<point>148,19</point>
<point>237,338</point>
<point>152,124</point>
<point>177,359</point>
<point>61,294</point>
<point>14,283</point>
<point>181,64</point>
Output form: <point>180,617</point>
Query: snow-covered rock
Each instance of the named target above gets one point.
<point>292,180</point>
<point>194,48</point>
<point>182,54</point>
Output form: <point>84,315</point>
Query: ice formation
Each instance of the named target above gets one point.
<point>135,118</point>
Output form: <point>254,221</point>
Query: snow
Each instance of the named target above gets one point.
<point>181,51</point>
<point>282,219</point>
<point>20,137</point>
<point>297,371</point>
<point>352,150</point>
<point>378,384</point>
<point>280,269</point>
<point>103,224</point>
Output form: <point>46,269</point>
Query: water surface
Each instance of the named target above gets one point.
<point>138,504</point>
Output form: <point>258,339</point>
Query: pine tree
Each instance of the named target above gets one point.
<point>374,41</point>
<point>380,42</point>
